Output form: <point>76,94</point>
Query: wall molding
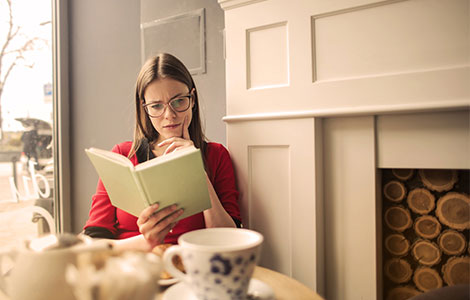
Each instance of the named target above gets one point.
<point>230,4</point>
<point>353,111</point>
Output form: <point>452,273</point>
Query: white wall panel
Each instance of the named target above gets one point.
<point>391,37</point>
<point>275,166</point>
<point>437,140</point>
<point>267,56</point>
<point>350,208</point>
<point>367,54</point>
<point>269,207</point>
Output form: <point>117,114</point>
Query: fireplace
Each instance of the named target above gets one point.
<point>322,98</point>
<point>425,231</point>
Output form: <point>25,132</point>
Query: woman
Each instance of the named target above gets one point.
<point>167,119</point>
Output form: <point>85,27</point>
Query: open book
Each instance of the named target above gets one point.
<point>178,177</point>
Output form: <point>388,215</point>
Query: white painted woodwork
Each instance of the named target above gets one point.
<point>350,208</point>
<point>277,180</point>
<point>374,74</point>
<point>264,71</point>
<point>322,93</point>
<point>437,140</point>
<point>346,42</point>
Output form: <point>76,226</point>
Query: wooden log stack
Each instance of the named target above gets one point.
<point>426,230</point>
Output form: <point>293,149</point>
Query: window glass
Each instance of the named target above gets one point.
<point>26,110</point>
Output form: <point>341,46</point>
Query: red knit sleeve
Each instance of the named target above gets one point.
<point>102,213</point>
<point>222,177</point>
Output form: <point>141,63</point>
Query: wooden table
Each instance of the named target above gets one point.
<point>285,288</point>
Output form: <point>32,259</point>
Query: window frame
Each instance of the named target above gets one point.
<point>61,124</point>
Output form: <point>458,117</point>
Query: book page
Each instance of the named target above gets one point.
<point>119,158</point>
<point>165,158</point>
<point>181,180</point>
<point>119,181</point>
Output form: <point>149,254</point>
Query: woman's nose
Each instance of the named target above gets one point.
<point>169,113</point>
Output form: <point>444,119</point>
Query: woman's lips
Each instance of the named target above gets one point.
<point>171,126</point>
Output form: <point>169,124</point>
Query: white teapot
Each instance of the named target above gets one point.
<point>39,273</point>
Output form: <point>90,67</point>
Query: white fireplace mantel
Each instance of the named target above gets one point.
<point>320,94</point>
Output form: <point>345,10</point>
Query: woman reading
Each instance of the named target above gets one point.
<point>167,119</point>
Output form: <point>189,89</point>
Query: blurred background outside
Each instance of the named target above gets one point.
<point>26,116</point>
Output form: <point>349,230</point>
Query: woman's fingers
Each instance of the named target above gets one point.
<point>146,213</point>
<point>155,217</point>
<point>159,224</point>
<point>175,144</point>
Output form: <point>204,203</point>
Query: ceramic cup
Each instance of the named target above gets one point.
<point>218,262</point>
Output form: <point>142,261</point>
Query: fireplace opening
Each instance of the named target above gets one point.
<point>425,230</point>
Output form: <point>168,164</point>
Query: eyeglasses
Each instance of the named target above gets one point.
<point>179,104</point>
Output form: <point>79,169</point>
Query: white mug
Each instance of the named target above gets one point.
<point>219,262</point>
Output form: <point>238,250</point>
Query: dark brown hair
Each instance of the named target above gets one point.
<point>164,65</point>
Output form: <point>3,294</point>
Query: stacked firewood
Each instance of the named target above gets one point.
<point>426,217</point>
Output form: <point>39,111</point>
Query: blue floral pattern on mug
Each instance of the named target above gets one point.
<point>219,265</point>
<point>226,274</point>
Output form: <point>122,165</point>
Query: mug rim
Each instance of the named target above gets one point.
<point>258,239</point>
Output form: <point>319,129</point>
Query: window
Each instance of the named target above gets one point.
<point>27,162</point>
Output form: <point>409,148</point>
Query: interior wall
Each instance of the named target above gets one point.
<point>104,45</point>
<point>211,83</point>
<point>105,58</point>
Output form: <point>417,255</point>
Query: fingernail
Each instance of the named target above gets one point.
<point>155,205</point>
<point>181,211</point>
<point>174,206</point>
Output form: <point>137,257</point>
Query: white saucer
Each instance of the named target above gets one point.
<point>257,290</point>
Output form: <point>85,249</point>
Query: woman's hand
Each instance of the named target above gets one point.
<point>176,143</point>
<point>154,224</point>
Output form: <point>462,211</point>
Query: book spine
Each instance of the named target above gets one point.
<point>142,192</point>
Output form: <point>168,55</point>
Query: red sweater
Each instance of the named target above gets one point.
<point>123,225</point>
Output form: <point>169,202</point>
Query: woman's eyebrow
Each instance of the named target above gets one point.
<point>175,96</point>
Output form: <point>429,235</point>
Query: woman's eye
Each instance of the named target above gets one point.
<point>178,102</point>
<point>156,106</point>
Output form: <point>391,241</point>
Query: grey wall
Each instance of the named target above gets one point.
<point>104,59</point>
<point>211,84</point>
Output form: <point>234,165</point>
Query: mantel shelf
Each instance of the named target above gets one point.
<point>353,111</point>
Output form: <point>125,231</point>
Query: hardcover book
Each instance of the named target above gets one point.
<point>178,177</point>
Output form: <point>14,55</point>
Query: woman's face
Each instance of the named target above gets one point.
<point>170,123</point>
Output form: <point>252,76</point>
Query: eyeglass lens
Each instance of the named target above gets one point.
<point>179,105</point>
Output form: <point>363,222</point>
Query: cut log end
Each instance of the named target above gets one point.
<point>453,210</point>
<point>395,191</point>
<point>402,293</point>
<point>427,227</point>
<point>403,174</point>
<point>421,201</point>
<point>398,270</point>
<point>457,270</point>
<point>427,279</point>
<point>398,218</point>
<point>397,244</point>
<point>438,180</point>
<point>426,253</point>
<point>452,242</point>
